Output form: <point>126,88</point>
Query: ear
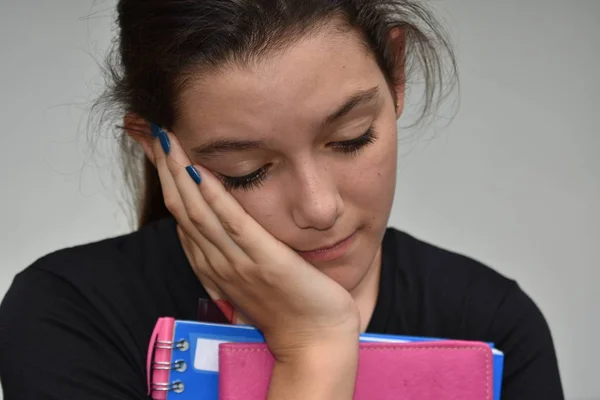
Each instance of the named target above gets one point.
<point>140,130</point>
<point>397,44</point>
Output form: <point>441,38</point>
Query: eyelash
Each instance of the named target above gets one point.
<point>246,182</point>
<point>353,146</point>
<point>255,179</point>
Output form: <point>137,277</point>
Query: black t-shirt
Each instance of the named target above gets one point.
<point>76,323</point>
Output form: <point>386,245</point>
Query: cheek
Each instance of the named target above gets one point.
<point>264,205</point>
<point>366,184</point>
<point>370,181</point>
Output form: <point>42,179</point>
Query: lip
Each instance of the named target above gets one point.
<point>329,253</point>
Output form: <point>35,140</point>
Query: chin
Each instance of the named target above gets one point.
<point>349,274</point>
<point>349,266</point>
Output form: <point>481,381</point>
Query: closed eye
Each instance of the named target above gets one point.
<point>255,179</point>
<point>251,181</point>
<point>353,146</point>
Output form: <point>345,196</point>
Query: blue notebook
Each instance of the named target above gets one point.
<point>183,357</point>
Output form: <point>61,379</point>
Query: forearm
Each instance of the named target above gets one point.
<point>325,373</point>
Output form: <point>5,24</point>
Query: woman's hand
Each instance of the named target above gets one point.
<point>310,323</point>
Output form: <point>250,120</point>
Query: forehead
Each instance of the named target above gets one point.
<point>296,87</point>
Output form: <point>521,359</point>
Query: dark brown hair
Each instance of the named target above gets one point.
<point>162,43</point>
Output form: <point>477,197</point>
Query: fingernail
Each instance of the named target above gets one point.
<point>164,141</point>
<point>155,130</point>
<point>194,174</point>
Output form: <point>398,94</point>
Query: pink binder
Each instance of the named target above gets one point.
<point>444,370</point>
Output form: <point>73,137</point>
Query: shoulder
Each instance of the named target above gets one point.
<point>113,275</point>
<point>125,254</point>
<point>110,269</point>
<point>447,275</point>
<point>89,302</point>
<point>455,296</point>
<point>97,272</point>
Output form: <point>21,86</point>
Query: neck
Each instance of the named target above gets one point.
<point>365,294</point>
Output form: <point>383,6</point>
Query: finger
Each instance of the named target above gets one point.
<point>239,227</point>
<point>245,231</point>
<point>217,207</point>
<point>193,252</point>
<point>197,210</point>
<point>214,291</point>
<point>172,199</point>
<point>197,258</point>
<point>174,203</point>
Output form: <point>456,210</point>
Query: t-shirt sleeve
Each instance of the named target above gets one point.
<point>522,333</point>
<point>55,345</point>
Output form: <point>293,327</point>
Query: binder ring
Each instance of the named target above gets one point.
<point>181,345</point>
<point>179,365</point>
<point>176,387</point>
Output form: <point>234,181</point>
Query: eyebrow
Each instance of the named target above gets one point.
<point>221,146</point>
<point>358,99</point>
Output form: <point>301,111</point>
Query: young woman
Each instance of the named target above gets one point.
<point>269,139</point>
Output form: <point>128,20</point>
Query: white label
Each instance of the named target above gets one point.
<point>207,355</point>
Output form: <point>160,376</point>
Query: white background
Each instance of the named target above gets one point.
<point>513,181</point>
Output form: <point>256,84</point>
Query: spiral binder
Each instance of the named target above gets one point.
<point>159,364</point>
<point>176,387</point>
<point>178,365</point>
<point>182,358</point>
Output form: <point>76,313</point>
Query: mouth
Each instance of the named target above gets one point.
<point>329,252</point>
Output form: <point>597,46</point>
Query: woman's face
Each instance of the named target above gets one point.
<point>305,140</point>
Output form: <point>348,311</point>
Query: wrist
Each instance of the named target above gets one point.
<point>322,371</point>
<point>324,353</point>
<point>305,346</point>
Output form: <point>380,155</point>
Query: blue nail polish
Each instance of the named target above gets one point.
<point>164,141</point>
<point>155,130</point>
<point>194,174</point>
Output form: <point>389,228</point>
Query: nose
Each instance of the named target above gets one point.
<point>315,198</point>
